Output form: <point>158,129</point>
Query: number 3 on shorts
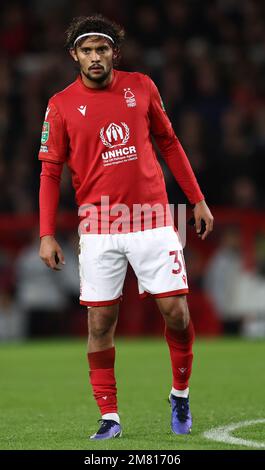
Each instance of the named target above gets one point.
<point>177,254</point>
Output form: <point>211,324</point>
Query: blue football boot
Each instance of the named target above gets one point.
<point>109,429</point>
<point>181,420</point>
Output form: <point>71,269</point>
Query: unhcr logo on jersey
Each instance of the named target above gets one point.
<point>115,134</point>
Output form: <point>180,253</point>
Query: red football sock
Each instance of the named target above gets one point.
<point>102,379</point>
<point>180,348</point>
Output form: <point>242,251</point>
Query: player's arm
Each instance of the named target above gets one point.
<point>50,251</point>
<point>176,159</point>
<point>53,153</point>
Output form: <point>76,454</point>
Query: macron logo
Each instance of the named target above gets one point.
<point>184,278</point>
<point>82,110</point>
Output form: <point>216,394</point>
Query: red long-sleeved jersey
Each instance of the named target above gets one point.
<point>104,136</point>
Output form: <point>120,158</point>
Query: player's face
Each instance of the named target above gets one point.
<point>95,58</point>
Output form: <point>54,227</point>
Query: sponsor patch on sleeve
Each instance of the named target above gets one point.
<point>44,149</point>
<point>45,132</point>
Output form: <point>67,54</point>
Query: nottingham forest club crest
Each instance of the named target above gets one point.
<point>115,135</point>
<point>45,132</point>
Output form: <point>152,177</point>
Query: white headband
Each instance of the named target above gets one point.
<point>93,34</point>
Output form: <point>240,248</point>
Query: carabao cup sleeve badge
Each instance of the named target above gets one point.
<point>45,132</point>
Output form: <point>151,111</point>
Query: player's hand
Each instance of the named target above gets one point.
<point>203,213</point>
<point>51,253</point>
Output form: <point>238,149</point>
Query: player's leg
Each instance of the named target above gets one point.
<point>179,334</point>
<point>102,267</point>
<point>101,357</point>
<point>157,259</point>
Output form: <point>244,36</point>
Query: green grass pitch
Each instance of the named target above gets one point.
<point>46,401</point>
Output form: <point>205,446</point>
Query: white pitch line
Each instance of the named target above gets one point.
<point>222,434</point>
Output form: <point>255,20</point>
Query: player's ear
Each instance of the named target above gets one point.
<point>73,54</point>
<point>114,56</point>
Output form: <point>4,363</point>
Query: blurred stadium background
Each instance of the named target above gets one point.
<point>208,60</point>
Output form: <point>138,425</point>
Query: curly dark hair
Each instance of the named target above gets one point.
<point>96,23</point>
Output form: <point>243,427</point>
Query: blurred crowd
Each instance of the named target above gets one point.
<point>207,59</point>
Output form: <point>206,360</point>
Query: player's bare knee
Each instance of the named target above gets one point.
<point>99,332</point>
<point>99,328</point>
<point>176,315</point>
<point>177,320</point>
<point>101,321</point>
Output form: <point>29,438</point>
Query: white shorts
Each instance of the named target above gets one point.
<point>155,255</point>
